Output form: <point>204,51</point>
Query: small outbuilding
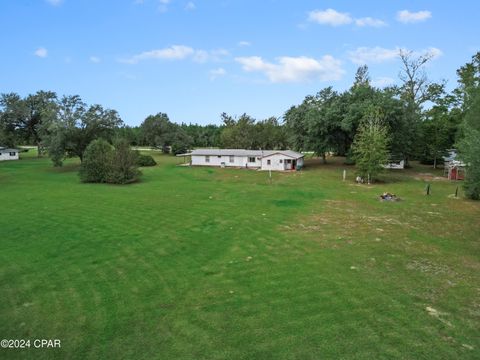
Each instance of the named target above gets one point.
<point>275,160</point>
<point>9,154</point>
<point>454,169</point>
<point>395,165</point>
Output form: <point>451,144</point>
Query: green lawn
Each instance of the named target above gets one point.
<point>200,263</point>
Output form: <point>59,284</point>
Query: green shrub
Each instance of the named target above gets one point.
<point>97,162</point>
<point>103,163</point>
<point>146,160</point>
<point>124,167</point>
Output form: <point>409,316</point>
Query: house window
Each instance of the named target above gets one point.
<point>231,158</point>
<point>281,161</point>
<point>207,159</point>
<point>269,162</point>
<point>12,154</point>
<point>251,159</point>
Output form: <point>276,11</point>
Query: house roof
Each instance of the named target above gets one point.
<point>5,150</point>
<point>243,152</point>
<point>289,153</point>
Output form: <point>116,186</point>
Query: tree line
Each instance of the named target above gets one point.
<point>419,120</point>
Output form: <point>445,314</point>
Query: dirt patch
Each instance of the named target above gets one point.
<point>428,266</point>
<point>343,223</point>
<point>429,177</point>
<point>439,315</point>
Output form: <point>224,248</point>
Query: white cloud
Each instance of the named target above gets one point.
<point>368,21</point>
<point>175,52</point>
<point>190,6</point>
<point>434,52</point>
<point>382,81</point>
<point>216,73</point>
<point>41,52</point>
<point>178,52</point>
<point>366,55</point>
<point>377,54</point>
<point>55,2</point>
<point>431,51</point>
<point>294,69</point>
<point>329,17</point>
<point>202,56</point>
<point>406,16</point>
<point>244,43</point>
<point>163,7</point>
<point>335,18</point>
<point>95,59</point>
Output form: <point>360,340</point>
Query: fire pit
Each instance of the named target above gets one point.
<point>386,196</point>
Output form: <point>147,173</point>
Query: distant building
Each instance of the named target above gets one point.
<point>395,164</point>
<point>8,154</point>
<point>454,169</point>
<point>276,160</point>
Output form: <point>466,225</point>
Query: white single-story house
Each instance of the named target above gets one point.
<point>276,160</point>
<point>8,154</point>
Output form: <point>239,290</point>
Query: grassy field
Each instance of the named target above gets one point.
<point>200,263</point>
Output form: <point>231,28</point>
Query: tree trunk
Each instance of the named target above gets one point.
<point>39,150</point>
<point>435,162</point>
<point>324,158</point>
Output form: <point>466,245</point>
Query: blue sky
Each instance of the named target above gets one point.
<point>196,59</point>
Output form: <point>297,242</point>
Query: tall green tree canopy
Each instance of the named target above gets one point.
<point>155,130</point>
<point>469,147</point>
<point>468,82</point>
<point>329,120</point>
<point>370,148</point>
<point>158,131</point>
<point>247,133</point>
<point>315,125</point>
<point>203,136</point>
<point>416,90</point>
<point>22,119</point>
<point>468,94</point>
<point>74,125</point>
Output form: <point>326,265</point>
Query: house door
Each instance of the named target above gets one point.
<point>288,164</point>
<point>453,174</point>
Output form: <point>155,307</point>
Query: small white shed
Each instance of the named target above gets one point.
<point>9,154</point>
